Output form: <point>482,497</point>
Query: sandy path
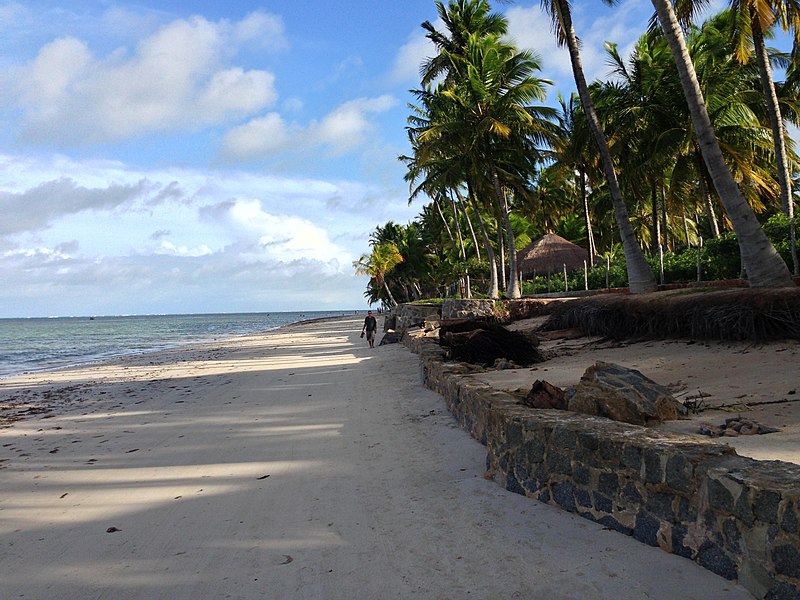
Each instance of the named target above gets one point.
<point>294,465</point>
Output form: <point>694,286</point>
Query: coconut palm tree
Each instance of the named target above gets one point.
<point>494,89</point>
<point>383,258</point>
<point>640,277</point>
<point>764,266</point>
<point>461,18</point>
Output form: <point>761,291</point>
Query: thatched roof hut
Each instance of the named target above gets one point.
<point>549,254</point>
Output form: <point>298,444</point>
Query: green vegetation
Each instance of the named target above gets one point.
<point>628,169</point>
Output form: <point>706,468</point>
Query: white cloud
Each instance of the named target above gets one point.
<point>259,137</point>
<point>266,29</point>
<point>174,79</point>
<point>410,57</point>
<point>37,207</point>
<point>341,130</point>
<point>530,28</point>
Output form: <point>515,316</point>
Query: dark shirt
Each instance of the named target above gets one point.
<point>370,324</point>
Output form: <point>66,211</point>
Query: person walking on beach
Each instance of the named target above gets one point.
<point>369,328</point>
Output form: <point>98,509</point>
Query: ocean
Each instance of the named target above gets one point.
<point>42,344</point>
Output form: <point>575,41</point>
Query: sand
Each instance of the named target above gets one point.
<point>297,464</point>
<point>760,382</point>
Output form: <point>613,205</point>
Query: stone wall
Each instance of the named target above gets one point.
<point>735,516</point>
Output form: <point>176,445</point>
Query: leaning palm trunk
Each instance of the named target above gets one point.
<point>776,120</point>
<point>466,292</point>
<point>453,241</point>
<point>640,277</point>
<point>512,291</point>
<point>587,217</point>
<point>469,223</point>
<point>764,266</point>
<point>494,290</point>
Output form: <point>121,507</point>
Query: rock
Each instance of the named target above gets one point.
<point>623,394</point>
<point>391,338</point>
<point>545,395</point>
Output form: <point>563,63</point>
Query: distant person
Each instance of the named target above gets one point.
<point>369,328</point>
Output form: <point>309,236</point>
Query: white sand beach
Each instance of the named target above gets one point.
<point>295,464</point>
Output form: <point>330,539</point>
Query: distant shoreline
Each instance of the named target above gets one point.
<point>43,345</point>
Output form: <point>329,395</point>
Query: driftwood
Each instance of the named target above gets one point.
<point>483,342</point>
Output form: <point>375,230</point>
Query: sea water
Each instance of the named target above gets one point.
<point>40,344</point>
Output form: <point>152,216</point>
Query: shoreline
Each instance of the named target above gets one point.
<point>122,354</point>
<point>55,387</point>
<point>296,464</point>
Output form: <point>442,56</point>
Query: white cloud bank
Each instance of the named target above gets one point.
<point>179,240</point>
<point>342,129</point>
<point>176,78</point>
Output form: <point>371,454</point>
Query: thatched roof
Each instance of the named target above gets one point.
<point>549,254</point>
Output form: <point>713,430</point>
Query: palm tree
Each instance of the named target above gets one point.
<point>754,19</point>
<point>764,266</point>
<point>494,88</point>
<point>384,257</point>
<point>461,18</point>
<point>640,277</point>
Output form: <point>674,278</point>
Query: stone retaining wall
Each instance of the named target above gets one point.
<point>735,516</point>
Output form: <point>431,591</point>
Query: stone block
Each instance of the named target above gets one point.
<point>602,503</point>
<point>464,308</point>
<point>559,463</point>
<point>713,558</point>
<point>535,450</point>
<point>654,471</point>
<point>582,475</point>
<point>608,484</point>
<point>789,521</point>
<point>766,506</point>
<point>719,496</point>
<point>632,457</point>
<point>646,528</point>
<point>631,494</point>
<point>782,590</point>
<point>564,438</point>
<point>661,505</point>
<point>678,534</point>
<point>679,473</point>
<point>564,495</point>
<point>786,559</point>
<point>583,498</point>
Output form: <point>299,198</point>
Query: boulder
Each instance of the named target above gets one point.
<point>391,338</point>
<point>622,394</point>
<point>545,395</point>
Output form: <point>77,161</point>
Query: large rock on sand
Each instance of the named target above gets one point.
<point>623,394</point>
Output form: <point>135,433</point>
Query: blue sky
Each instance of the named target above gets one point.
<point>187,157</point>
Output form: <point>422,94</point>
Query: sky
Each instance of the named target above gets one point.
<point>193,157</point>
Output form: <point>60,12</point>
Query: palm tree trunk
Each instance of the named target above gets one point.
<point>587,217</point>
<point>656,241</point>
<point>764,266</point>
<point>640,277</point>
<point>463,207</point>
<point>466,291</point>
<point>776,120</point>
<point>494,290</point>
<point>512,291</point>
<point>501,252</point>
